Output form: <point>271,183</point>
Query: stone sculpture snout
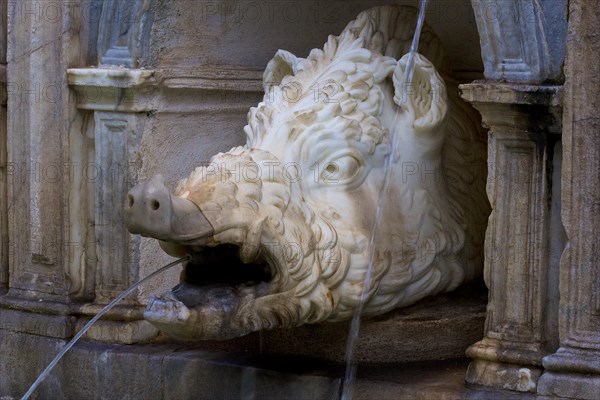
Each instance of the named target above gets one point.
<point>151,210</point>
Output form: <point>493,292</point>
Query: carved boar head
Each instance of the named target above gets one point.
<point>279,228</point>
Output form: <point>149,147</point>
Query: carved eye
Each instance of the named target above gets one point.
<point>341,170</point>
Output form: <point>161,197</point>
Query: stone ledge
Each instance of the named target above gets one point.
<point>93,370</point>
<point>522,107</point>
<point>571,373</point>
<point>120,312</point>
<point>183,90</point>
<point>105,77</point>
<point>425,381</point>
<point>511,93</point>
<point>436,328</point>
<point>119,332</point>
<point>167,372</point>
<point>565,385</point>
<point>573,360</point>
<point>245,80</point>
<point>55,326</point>
<point>122,324</point>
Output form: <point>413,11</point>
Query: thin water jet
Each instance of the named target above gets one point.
<point>91,322</point>
<point>351,366</point>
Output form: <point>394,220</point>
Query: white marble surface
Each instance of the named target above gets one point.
<point>304,195</point>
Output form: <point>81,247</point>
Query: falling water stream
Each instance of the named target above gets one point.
<point>354,332</point>
<point>93,320</point>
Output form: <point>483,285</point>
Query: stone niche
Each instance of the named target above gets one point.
<point>134,88</point>
<point>182,97</point>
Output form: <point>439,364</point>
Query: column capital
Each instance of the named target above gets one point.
<point>512,105</point>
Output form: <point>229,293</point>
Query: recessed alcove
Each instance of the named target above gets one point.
<point>188,100</point>
<point>203,81</point>
<point>159,86</point>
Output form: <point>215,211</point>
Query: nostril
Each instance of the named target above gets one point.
<point>130,200</point>
<point>154,205</point>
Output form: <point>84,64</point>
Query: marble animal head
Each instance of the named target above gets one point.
<point>279,228</point>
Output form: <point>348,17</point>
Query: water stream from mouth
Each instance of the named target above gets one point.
<point>91,322</point>
<point>353,334</point>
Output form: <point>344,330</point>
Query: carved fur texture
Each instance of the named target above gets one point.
<point>299,197</point>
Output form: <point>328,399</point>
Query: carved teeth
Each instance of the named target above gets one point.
<point>251,246</point>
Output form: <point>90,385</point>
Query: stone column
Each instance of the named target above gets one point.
<point>574,370</point>
<point>42,43</point>
<point>3,181</point>
<point>3,154</point>
<point>519,265</point>
<point>522,47</point>
<point>39,118</point>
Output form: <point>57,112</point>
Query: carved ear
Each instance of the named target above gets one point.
<point>425,97</point>
<point>284,63</point>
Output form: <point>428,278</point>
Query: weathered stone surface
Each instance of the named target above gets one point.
<point>221,34</point>
<point>39,118</point>
<point>119,331</point>
<point>93,370</point>
<point>171,372</point>
<point>437,328</point>
<point>4,246</point>
<point>442,380</point>
<point>207,74</point>
<point>521,263</point>
<point>124,32</point>
<point>574,370</point>
<point>112,372</point>
<point>29,355</point>
<point>202,376</point>
<point>537,33</point>
<point>123,324</point>
<point>53,326</point>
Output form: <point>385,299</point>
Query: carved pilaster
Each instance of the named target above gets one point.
<point>519,262</point>
<point>40,49</point>
<point>3,154</point>
<point>117,137</point>
<point>4,249</point>
<point>574,370</point>
<point>112,101</point>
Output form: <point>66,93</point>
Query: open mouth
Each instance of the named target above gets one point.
<point>217,277</point>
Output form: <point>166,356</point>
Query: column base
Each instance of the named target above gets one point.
<point>123,324</point>
<point>503,376</point>
<point>571,373</point>
<point>504,365</point>
<point>129,332</point>
<point>554,385</point>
